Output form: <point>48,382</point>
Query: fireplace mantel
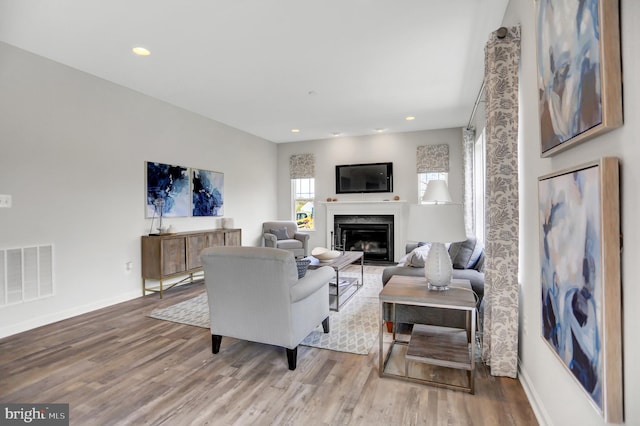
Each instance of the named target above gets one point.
<point>395,208</point>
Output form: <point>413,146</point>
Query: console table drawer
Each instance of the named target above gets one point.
<point>198,242</point>
<point>170,255</point>
<point>173,256</point>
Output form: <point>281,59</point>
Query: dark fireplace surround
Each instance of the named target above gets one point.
<point>371,234</point>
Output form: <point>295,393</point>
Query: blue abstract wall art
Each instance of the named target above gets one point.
<point>571,275</point>
<point>580,241</point>
<point>207,193</point>
<point>579,71</point>
<point>569,80</point>
<point>168,183</point>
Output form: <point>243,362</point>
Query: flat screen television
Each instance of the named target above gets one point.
<point>357,178</point>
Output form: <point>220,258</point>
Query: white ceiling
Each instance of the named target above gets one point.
<point>267,66</point>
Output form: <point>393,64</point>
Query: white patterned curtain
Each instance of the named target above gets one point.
<point>302,166</point>
<point>500,343</point>
<point>432,158</point>
<point>468,139</point>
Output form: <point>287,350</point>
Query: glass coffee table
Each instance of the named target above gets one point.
<point>343,288</point>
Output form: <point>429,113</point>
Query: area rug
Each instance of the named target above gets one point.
<point>353,329</point>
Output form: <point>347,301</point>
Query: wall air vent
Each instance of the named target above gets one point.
<point>26,274</point>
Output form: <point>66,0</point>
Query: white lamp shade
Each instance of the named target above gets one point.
<point>437,191</point>
<point>436,223</point>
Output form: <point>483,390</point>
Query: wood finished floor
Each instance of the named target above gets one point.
<point>116,366</point>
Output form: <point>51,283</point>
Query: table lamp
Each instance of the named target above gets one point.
<point>158,207</point>
<point>437,223</point>
<point>437,192</point>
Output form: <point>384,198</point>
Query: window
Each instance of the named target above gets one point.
<point>424,178</point>
<point>478,182</point>
<point>303,191</point>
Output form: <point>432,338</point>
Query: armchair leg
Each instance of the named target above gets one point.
<point>292,357</point>
<point>215,343</point>
<point>325,325</point>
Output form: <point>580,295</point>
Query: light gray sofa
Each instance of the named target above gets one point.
<point>468,263</point>
<point>254,294</point>
<point>284,235</point>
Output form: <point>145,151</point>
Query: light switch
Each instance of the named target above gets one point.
<point>5,201</point>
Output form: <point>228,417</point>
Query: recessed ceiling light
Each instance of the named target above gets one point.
<point>141,51</point>
<point>295,130</point>
<point>410,118</point>
<point>380,130</point>
<point>336,133</point>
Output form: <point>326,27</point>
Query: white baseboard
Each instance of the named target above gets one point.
<point>59,316</point>
<point>534,399</point>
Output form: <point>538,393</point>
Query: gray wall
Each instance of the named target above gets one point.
<point>399,148</point>
<point>553,391</point>
<point>72,154</point>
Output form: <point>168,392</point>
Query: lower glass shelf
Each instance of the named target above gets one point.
<point>340,294</point>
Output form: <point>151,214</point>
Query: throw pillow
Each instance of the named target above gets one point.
<point>480,264</point>
<point>418,256</point>
<point>280,233</point>
<point>465,254</point>
<point>302,264</point>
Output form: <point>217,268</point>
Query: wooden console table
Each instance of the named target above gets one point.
<point>170,256</point>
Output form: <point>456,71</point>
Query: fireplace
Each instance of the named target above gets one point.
<point>371,234</point>
<point>395,209</point>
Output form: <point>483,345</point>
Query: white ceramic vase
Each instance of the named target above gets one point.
<point>437,267</point>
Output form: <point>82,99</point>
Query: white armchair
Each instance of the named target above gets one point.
<point>254,294</point>
<point>284,235</point>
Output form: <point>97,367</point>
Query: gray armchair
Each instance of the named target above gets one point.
<point>254,294</point>
<point>284,235</point>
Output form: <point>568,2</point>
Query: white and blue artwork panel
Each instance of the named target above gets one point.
<point>569,80</point>
<point>207,191</point>
<point>167,189</point>
<point>571,274</point>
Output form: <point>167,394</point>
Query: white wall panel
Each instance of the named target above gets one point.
<point>72,155</point>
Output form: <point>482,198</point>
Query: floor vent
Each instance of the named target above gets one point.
<point>25,274</point>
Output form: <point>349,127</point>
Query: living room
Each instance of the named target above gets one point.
<point>73,151</point>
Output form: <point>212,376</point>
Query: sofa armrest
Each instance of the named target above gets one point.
<point>304,238</point>
<point>390,271</point>
<point>301,237</point>
<point>311,282</point>
<point>270,240</point>
<point>410,247</point>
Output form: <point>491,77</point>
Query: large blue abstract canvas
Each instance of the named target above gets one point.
<point>207,193</point>
<point>573,277</point>
<point>578,70</point>
<point>168,189</point>
<point>568,69</point>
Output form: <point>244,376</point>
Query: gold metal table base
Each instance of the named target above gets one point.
<point>191,278</point>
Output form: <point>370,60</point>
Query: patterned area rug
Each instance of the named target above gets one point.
<point>353,329</point>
